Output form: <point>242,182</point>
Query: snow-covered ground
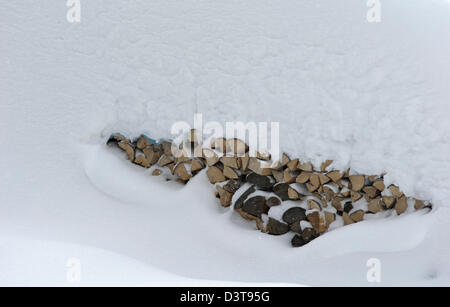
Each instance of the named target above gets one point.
<point>371,96</point>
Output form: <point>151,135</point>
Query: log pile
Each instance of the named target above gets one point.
<point>316,200</point>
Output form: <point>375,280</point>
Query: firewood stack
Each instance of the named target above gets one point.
<point>312,201</point>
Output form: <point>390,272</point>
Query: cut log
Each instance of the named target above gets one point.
<point>281,190</point>
<point>294,215</point>
<point>273,201</point>
<point>256,166</point>
<point>370,192</point>
<point>329,218</point>
<point>151,155</point>
<point>287,177</point>
<point>265,156</point>
<point>323,224</point>
<point>296,227</point>
<point>142,161</point>
<point>401,205</point>
<point>262,182</point>
<point>225,196</point>
<point>297,241</point>
<point>355,196</point>
<point>313,205</point>
<point>293,194</point>
<point>357,216</point>
<point>324,202</point>
<point>374,205</point>
<point>329,193</point>
<point>341,184</point>
<point>215,175</point>
<point>237,147</point>
<point>196,165</point>
<point>292,165</point>
<point>232,186</point>
<point>210,156</point>
<point>255,206</point>
<point>275,227</point>
<point>311,188</point>
<point>357,182</point>
<point>167,148</point>
<point>279,176</point>
<point>276,165</point>
<point>323,179</point>
<point>320,190</point>
<point>337,203</point>
<point>260,225</point>
<point>348,207</point>
<point>317,221</point>
<point>419,205</point>
<point>244,162</point>
<point>280,164</point>
<point>345,192</point>
<point>259,222</point>
<point>171,167</point>
<point>181,172</point>
<point>232,162</point>
<point>156,172</point>
<point>285,159</point>
<point>335,176</point>
<point>142,142</point>
<point>164,160</point>
<point>309,234</point>
<point>240,202</point>
<point>347,219</point>
<point>128,148</point>
<point>230,173</point>
<point>379,185</point>
<point>115,138</point>
<point>314,179</point>
<point>395,191</point>
<point>372,178</point>
<point>314,219</point>
<point>388,201</point>
<point>346,174</point>
<point>180,156</point>
<point>303,177</point>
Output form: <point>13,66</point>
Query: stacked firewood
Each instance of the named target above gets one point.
<point>313,201</point>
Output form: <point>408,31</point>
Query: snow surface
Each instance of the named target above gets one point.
<point>371,96</point>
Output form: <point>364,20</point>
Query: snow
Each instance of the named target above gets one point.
<point>373,97</point>
<point>52,262</point>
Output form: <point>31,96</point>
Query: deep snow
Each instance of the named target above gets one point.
<point>371,96</point>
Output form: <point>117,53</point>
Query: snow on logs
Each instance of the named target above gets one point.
<point>320,200</point>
